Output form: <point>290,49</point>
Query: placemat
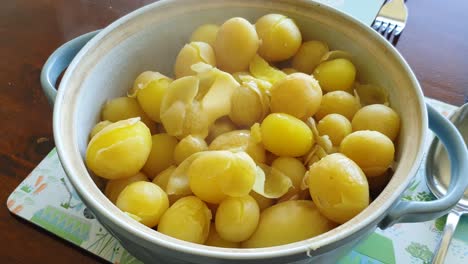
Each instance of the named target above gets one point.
<point>47,199</point>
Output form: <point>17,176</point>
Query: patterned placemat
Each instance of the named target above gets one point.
<point>47,199</point>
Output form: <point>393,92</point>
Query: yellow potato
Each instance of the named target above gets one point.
<point>150,97</point>
<point>161,155</point>
<point>288,222</point>
<point>334,75</point>
<point>285,135</point>
<point>236,44</point>
<point>279,35</point>
<point>98,127</point>
<point>371,150</point>
<point>187,219</point>
<point>144,201</point>
<point>122,108</point>
<point>107,152</point>
<point>215,240</point>
<point>291,167</point>
<point>298,94</point>
<point>188,146</point>
<point>377,117</point>
<point>309,55</point>
<point>237,218</point>
<point>115,187</point>
<point>240,140</point>
<point>338,102</point>
<point>335,126</point>
<point>190,54</point>
<point>205,33</point>
<point>338,187</point>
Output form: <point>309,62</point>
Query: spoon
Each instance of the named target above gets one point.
<point>438,179</point>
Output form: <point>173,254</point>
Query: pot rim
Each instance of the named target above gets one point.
<point>73,163</point>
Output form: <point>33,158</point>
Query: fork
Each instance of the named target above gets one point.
<point>391,20</point>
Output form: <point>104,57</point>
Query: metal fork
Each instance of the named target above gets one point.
<point>391,20</point>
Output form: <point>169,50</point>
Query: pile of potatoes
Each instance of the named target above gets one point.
<point>234,151</point>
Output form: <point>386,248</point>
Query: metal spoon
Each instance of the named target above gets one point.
<point>438,179</point>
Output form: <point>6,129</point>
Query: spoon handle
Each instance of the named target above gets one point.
<point>443,246</point>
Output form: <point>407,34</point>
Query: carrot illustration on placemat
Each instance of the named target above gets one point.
<point>38,181</point>
<point>41,188</point>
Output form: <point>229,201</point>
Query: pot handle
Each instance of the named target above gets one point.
<point>415,211</point>
<point>58,61</point>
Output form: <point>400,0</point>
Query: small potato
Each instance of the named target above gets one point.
<point>215,240</point>
<point>262,201</point>
<point>188,146</point>
<point>162,179</point>
<point>98,127</point>
<point>220,126</point>
<point>240,140</point>
<point>247,106</point>
<point>107,152</point>
<point>115,187</point>
<point>338,102</point>
<point>162,154</point>
<point>371,150</point>
<point>285,135</point>
<point>334,75</point>
<point>338,187</point>
<point>279,35</point>
<point>237,218</point>
<point>288,222</point>
<point>122,108</point>
<point>309,55</point>
<point>291,167</point>
<point>144,201</point>
<point>236,44</point>
<point>205,33</point>
<point>335,126</point>
<point>150,97</point>
<point>298,94</point>
<point>187,219</point>
<point>377,117</point>
<point>190,54</point>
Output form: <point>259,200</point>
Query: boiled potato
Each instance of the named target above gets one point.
<point>144,201</point>
<point>193,53</point>
<point>215,240</point>
<point>188,146</point>
<point>335,75</point>
<point>205,33</point>
<point>237,218</point>
<point>161,155</point>
<point>335,126</point>
<point>279,35</point>
<point>291,167</point>
<point>285,135</point>
<point>309,55</point>
<point>98,127</point>
<point>187,219</point>
<point>298,94</point>
<point>377,117</point>
<point>115,187</point>
<point>371,150</point>
<point>338,102</point>
<point>288,222</point>
<point>107,152</point>
<point>240,140</point>
<point>338,187</point>
<point>236,44</point>
<point>150,97</point>
<point>122,108</point>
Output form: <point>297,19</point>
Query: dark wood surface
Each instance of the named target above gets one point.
<point>435,44</point>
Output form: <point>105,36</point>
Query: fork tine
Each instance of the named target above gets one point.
<point>376,25</point>
<point>391,28</point>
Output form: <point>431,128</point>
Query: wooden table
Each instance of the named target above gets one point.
<point>435,44</point>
